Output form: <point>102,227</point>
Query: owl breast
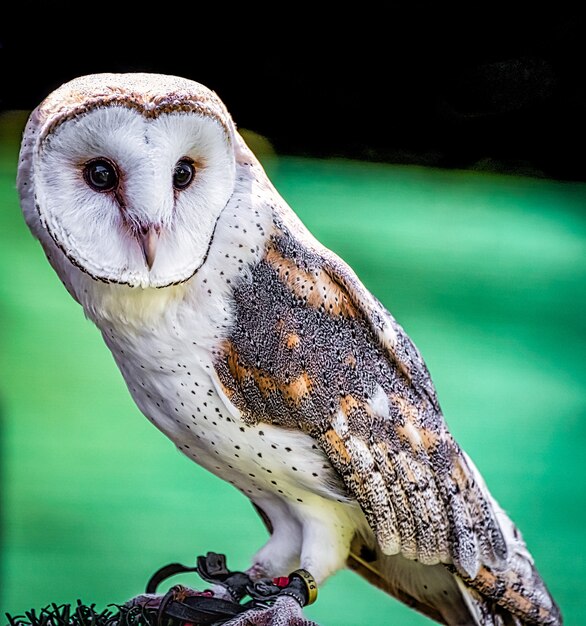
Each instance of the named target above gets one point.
<point>172,383</point>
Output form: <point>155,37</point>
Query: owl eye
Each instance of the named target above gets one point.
<point>183,174</point>
<point>101,175</point>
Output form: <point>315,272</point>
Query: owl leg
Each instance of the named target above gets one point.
<point>280,555</point>
<point>316,537</point>
<point>326,546</point>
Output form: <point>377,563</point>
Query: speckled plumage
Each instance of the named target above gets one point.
<point>261,355</point>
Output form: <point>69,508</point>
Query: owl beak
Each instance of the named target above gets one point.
<point>148,237</point>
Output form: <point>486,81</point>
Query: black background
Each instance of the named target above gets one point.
<point>485,89</point>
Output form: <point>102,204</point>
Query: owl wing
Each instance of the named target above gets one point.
<point>312,349</point>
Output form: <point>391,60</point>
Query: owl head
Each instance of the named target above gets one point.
<point>124,176</point>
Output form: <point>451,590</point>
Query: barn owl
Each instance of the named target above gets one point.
<point>260,353</point>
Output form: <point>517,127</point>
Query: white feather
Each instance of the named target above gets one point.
<point>94,229</point>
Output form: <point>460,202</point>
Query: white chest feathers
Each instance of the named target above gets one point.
<point>169,372</point>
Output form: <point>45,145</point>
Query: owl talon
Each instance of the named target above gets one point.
<point>299,585</point>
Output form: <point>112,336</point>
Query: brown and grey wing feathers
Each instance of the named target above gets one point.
<point>442,509</point>
<point>439,512</point>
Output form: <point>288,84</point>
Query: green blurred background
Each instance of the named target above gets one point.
<point>487,274</point>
